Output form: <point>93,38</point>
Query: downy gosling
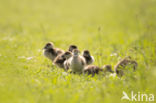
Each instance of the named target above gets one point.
<point>50,52</point>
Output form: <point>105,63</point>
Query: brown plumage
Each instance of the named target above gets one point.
<point>72,47</point>
<point>59,60</point>
<point>89,59</point>
<point>67,55</point>
<point>92,70</point>
<point>50,52</point>
<point>121,65</point>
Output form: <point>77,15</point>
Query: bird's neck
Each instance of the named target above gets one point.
<point>75,56</point>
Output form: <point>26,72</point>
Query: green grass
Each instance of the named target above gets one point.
<point>105,27</point>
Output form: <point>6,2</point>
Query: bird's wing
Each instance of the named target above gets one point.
<point>83,62</point>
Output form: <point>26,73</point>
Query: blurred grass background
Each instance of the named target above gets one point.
<point>110,29</point>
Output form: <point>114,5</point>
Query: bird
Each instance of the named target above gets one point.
<point>89,59</point>
<point>76,63</point>
<point>72,47</point>
<point>121,65</point>
<point>50,52</point>
<point>67,55</point>
<point>60,59</point>
<point>93,69</point>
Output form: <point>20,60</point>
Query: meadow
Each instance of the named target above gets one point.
<point>110,29</point>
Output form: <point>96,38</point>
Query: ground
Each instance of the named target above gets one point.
<point>110,29</point>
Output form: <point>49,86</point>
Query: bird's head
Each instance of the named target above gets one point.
<point>72,47</point>
<point>67,55</point>
<point>49,45</point>
<point>86,53</point>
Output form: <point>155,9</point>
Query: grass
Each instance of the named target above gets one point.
<point>105,27</point>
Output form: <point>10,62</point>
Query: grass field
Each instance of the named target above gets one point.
<point>110,29</point>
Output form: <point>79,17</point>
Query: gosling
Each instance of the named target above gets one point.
<point>60,60</point>
<point>89,59</point>
<point>119,67</point>
<point>76,62</point>
<point>50,52</point>
<point>66,63</point>
<point>93,69</point>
